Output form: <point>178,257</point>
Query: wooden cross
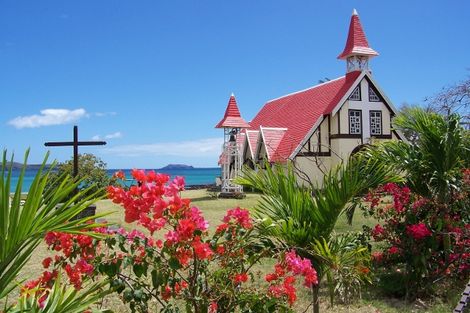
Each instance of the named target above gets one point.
<point>75,143</point>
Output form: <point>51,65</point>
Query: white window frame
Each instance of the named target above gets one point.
<point>355,117</point>
<point>375,122</point>
<point>373,97</point>
<point>356,94</point>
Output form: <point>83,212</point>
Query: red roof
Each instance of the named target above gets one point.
<point>252,139</point>
<point>298,112</point>
<point>356,43</point>
<point>232,117</point>
<point>272,137</point>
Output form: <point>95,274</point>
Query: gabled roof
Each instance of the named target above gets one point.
<point>251,140</point>
<point>232,117</point>
<point>272,137</point>
<point>298,112</point>
<point>356,44</point>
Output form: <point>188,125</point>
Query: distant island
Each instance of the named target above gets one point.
<point>177,167</point>
<point>18,166</point>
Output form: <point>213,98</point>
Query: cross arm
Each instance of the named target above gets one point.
<point>71,143</point>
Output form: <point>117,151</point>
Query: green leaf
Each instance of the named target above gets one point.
<point>157,278</point>
<point>174,263</point>
<point>23,225</point>
<point>139,269</point>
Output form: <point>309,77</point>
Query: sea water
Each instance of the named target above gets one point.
<point>193,176</point>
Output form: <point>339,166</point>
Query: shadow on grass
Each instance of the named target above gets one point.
<point>205,198</point>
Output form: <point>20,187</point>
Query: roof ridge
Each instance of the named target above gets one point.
<point>313,87</point>
<point>272,128</point>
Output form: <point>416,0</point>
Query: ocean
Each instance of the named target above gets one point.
<point>195,176</point>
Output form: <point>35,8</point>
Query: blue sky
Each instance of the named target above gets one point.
<point>152,78</point>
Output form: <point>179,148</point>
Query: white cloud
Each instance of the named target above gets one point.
<point>48,117</point>
<point>195,148</point>
<point>103,114</point>
<point>113,135</point>
<point>109,136</point>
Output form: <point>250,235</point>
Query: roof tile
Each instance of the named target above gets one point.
<point>299,111</point>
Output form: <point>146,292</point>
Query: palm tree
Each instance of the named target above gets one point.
<point>64,299</point>
<point>23,225</point>
<point>433,163</point>
<point>298,216</point>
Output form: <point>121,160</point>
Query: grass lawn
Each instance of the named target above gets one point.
<point>214,210</point>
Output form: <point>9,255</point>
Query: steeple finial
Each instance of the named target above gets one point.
<point>357,51</point>
<point>232,117</point>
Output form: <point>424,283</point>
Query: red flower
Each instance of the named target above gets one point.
<point>202,249</point>
<point>139,175</point>
<point>418,231</point>
<point>46,262</point>
<point>119,175</point>
<point>186,228</point>
<point>377,256</point>
<point>377,232</point>
<point>166,293</point>
<point>221,228</point>
<point>240,278</point>
<point>213,307</point>
<point>241,217</point>
<point>220,249</point>
<point>393,250</point>
<point>271,277</point>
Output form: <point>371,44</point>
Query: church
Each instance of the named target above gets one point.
<point>315,128</point>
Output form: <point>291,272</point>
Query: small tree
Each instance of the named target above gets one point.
<point>91,171</point>
<point>453,99</point>
<point>298,217</point>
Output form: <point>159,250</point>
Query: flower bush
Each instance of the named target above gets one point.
<point>178,263</point>
<point>424,240</point>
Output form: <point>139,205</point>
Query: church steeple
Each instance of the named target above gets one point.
<point>357,51</point>
<point>231,157</point>
<point>232,117</point>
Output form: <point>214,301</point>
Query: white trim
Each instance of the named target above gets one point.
<point>246,146</point>
<point>313,87</point>
<point>384,96</point>
<point>307,137</point>
<point>373,82</point>
<point>249,142</point>
<point>346,94</point>
<point>261,131</point>
<point>354,12</point>
<point>258,144</point>
<point>400,134</point>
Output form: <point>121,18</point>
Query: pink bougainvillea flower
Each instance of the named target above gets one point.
<point>240,278</point>
<point>418,231</point>
<point>393,250</point>
<point>377,232</point>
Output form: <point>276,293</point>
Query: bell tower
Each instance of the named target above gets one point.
<point>357,51</point>
<point>231,157</point>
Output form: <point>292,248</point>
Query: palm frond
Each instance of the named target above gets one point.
<point>24,224</point>
<point>300,214</point>
<point>433,164</point>
<point>62,299</point>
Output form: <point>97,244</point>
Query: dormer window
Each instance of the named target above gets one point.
<point>373,95</point>
<point>375,122</point>
<point>355,122</point>
<point>356,94</point>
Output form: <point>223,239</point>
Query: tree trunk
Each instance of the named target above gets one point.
<point>315,299</point>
